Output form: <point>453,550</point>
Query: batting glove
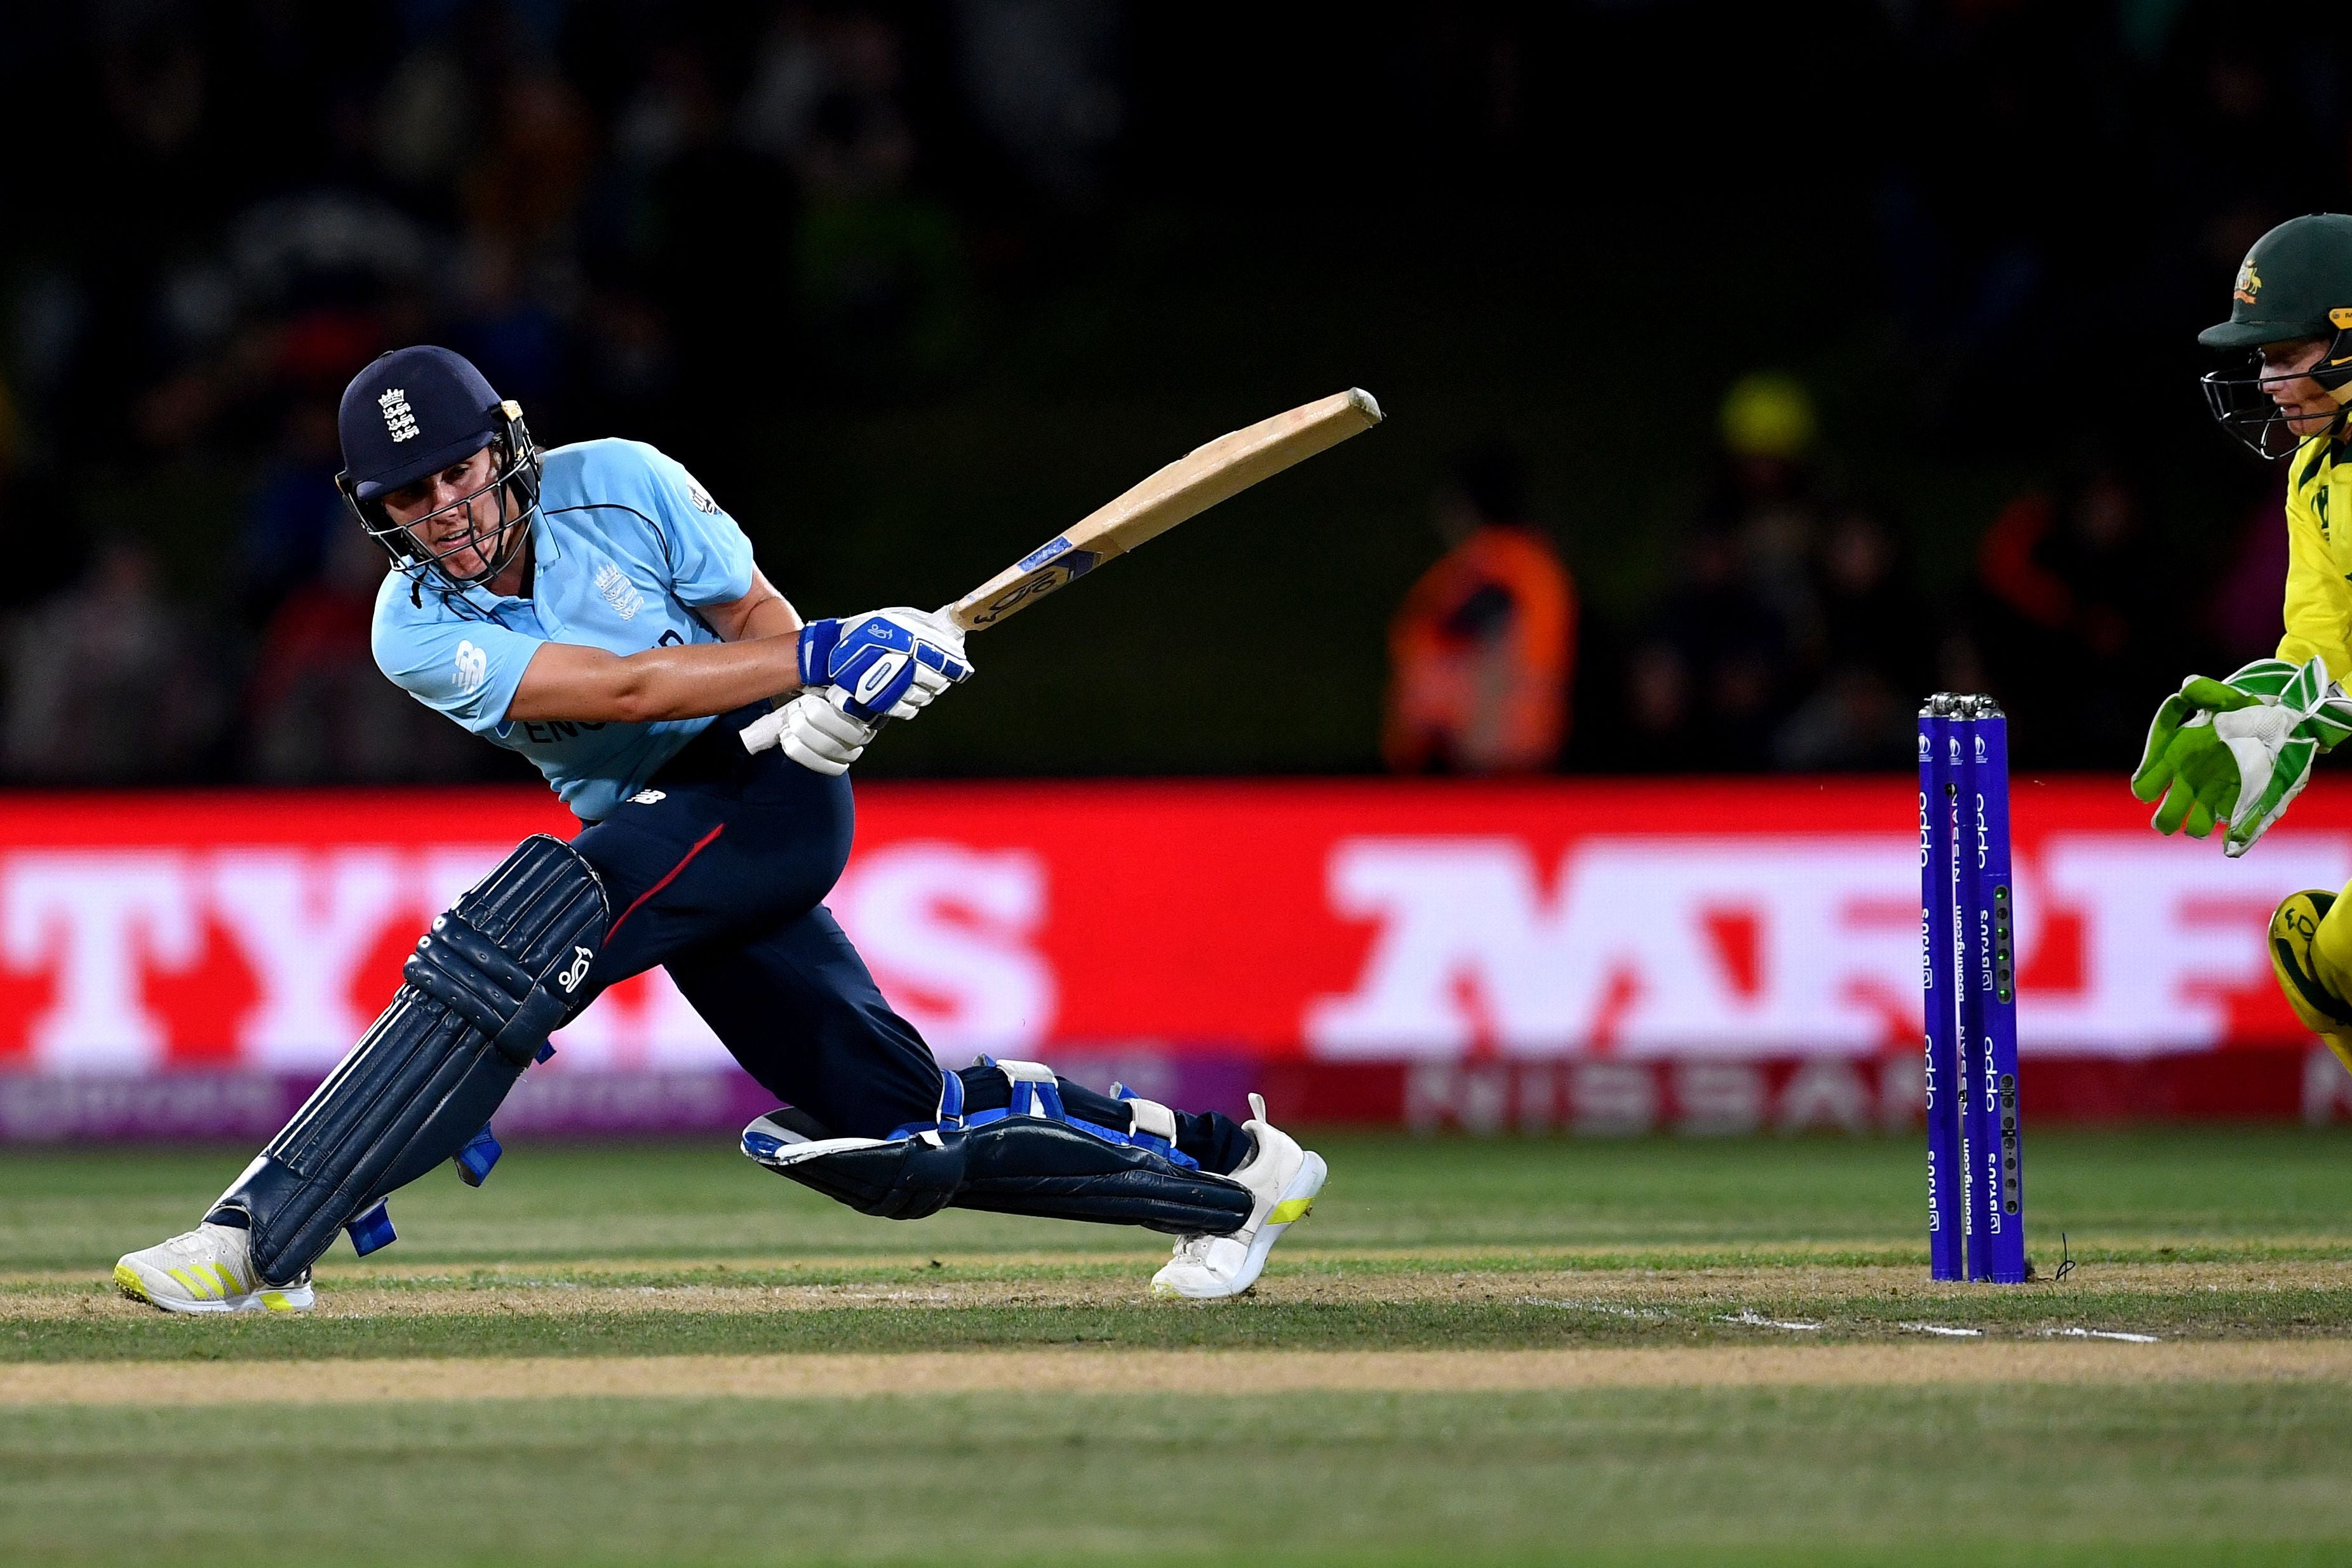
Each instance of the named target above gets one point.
<point>813,731</point>
<point>888,662</point>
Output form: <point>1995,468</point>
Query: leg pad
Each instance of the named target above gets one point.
<point>481,992</point>
<point>1014,1165</point>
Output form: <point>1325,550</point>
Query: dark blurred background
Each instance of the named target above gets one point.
<point>1786,361</point>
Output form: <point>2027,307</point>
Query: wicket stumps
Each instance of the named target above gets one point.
<point>1976,1195</point>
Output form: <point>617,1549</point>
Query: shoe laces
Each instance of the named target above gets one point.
<point>1194,1248</point>
<point>188,1244</point>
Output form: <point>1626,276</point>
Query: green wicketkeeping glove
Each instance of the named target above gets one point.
<point>2239,751</point>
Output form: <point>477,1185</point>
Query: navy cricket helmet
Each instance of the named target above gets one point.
<point>413,413</point>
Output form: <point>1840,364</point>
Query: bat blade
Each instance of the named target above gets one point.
<point>1185,489</point>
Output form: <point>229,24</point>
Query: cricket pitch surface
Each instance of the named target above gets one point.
<point>1473,1352</point>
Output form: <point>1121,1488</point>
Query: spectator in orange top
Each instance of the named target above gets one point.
<point>1482,652</point>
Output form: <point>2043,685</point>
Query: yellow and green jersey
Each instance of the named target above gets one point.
<point>2319,557</point>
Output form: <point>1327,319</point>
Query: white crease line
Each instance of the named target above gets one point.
<point>1944,1329</point>
<point>1749,1319</point>
<point>2100,1333</point>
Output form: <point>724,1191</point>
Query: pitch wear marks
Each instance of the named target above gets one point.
<point>612,515</point>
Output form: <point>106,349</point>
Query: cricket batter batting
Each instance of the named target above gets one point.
<point>2233,753</point>
<point>592,608</point>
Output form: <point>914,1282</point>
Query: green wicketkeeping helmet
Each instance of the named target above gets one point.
<point>2295,284</point>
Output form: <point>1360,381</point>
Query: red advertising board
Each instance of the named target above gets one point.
<point>1338,920</point>
<point>1325,925</point>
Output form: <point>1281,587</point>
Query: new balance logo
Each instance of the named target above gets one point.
<point>396,417</point>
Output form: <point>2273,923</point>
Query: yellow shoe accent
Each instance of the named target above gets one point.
<point>1294,1208</point>
<point>2305,935</point>
<point>126,1280</point>
<point>276,1301</point>
<point>229,1287</point>
<point>200,1286</point>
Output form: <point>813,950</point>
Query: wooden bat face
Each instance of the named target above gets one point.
<point>1185,489</point>
<point>1033,576</point>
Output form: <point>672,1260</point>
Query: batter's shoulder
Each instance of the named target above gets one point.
<point>610,468</point>
<point>400,601</point>
<point>632,476</point>
<point>406,615</point>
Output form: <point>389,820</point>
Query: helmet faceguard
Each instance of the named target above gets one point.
<point>2240,398</point>
<point>516,483</point>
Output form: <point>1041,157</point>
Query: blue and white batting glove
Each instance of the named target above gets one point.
<point>886,663</point>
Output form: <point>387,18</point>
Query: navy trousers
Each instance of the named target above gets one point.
<point>718,872</point>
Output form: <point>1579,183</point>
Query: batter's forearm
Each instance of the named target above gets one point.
<point>589,685</point>
<point>708,677</point>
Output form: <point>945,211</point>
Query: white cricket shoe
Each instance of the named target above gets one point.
<point>1285,1178</point>
<point>207,1269</point>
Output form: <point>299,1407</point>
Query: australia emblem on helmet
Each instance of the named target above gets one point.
<point>2249,283</point>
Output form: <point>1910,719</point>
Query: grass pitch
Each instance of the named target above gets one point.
<point>1476,1352</point>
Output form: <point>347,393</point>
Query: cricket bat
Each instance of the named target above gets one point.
<point>1185,489</point>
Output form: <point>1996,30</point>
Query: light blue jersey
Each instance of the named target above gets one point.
<point>626,546</point>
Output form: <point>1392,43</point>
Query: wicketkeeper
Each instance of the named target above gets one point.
<point>2232,753</point>
<point>593,608</point>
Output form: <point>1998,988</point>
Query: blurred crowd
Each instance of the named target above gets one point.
<point>630,214</point>
<point>601,206</point>
<point>2071,188</point>
<point>1793,634</point>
